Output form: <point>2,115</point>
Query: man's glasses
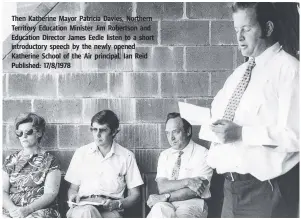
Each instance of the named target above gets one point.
<point>20,133</point>
<point>92,129</point>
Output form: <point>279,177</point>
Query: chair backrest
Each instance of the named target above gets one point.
<point>215,203</point>
<point>63,197</point>
<point>150,187</point>
<point>136,210</point>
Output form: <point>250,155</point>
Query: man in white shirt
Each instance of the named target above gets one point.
<point>100,171</point>
<point>256,119</point>
<point>183,176</point>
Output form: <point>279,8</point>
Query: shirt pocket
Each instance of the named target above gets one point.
<point>113,181</point>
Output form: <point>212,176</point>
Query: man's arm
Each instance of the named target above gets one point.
<point>73,194</point>
<point>193,187</point>
<point>167,186</point>
<point>127,202</point>
<point>195,184</point>
<point>182,194</point>
<point>132,198</point>
<point>178,195</point>
<point>73,175</point>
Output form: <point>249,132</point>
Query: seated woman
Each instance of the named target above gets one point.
<point>31,177</point>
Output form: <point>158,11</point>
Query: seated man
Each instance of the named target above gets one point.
<point>183,175</point>
<point>99,172</point>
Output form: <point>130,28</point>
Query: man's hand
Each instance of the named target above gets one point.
<point>73,198</point>
<point>197,184</point>
<point>20,212</point>
<point>153,199</point>
<point>227,131</point>
<point>111,205</point>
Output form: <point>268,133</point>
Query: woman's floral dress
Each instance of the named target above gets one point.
<point>27,176</point>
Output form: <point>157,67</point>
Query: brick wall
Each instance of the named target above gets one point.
<point>193,52</point>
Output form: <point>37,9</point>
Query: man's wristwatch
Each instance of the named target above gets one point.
<point>120,205</point>
<point>167,196</point>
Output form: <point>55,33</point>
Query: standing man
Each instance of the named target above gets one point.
<point>101,170</point>
<point>256,116</point>
<point>183,175</point>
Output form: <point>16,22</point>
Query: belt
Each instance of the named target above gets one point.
<point>238,177</point>
<point>99,196</point>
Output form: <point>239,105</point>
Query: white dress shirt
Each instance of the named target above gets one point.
<point>193,164</point>
<point>269,114</point>
<point>98,175</point>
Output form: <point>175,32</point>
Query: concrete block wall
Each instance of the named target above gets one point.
<point>193,52</point>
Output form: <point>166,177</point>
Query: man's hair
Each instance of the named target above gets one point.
<point>106,117</point>
<point>38,122</point>
<point>186,124</point>
<point>265,11</point>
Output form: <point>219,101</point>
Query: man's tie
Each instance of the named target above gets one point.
<point>238,92</point>
<point>176,169</point>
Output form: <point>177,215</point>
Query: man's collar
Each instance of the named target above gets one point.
<point>113,149</point>
<point>186,150</point>
<point>94,149</point>
<point>267,54</point>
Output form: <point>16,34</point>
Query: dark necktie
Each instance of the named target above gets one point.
<point>176,168</point>
<point>239,91</point>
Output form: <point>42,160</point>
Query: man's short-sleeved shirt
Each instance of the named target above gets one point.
<point>98,175</point>
<point>193,164</point>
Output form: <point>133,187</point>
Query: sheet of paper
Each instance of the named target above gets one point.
<point>206,134</point>
<point>86,203</point>
<point>196,115</point>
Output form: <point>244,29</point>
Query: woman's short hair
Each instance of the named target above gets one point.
<point>106,117</point>
<point>38,122</point>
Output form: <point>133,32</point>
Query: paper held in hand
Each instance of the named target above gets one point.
<point>206,134</point>
<point>86,203</point>
<point>197,115</point>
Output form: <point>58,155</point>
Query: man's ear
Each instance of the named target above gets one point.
<point>115,132</point>
<point>189,131</point>
<point>269,28</point>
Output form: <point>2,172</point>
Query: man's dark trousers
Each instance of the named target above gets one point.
<point>250,198</point>
<point>289,189</point>
<point>278,197</point>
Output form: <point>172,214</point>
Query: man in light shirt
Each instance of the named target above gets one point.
<point>256,121</point>
<point>183,176</point>
<point>100,171</point>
